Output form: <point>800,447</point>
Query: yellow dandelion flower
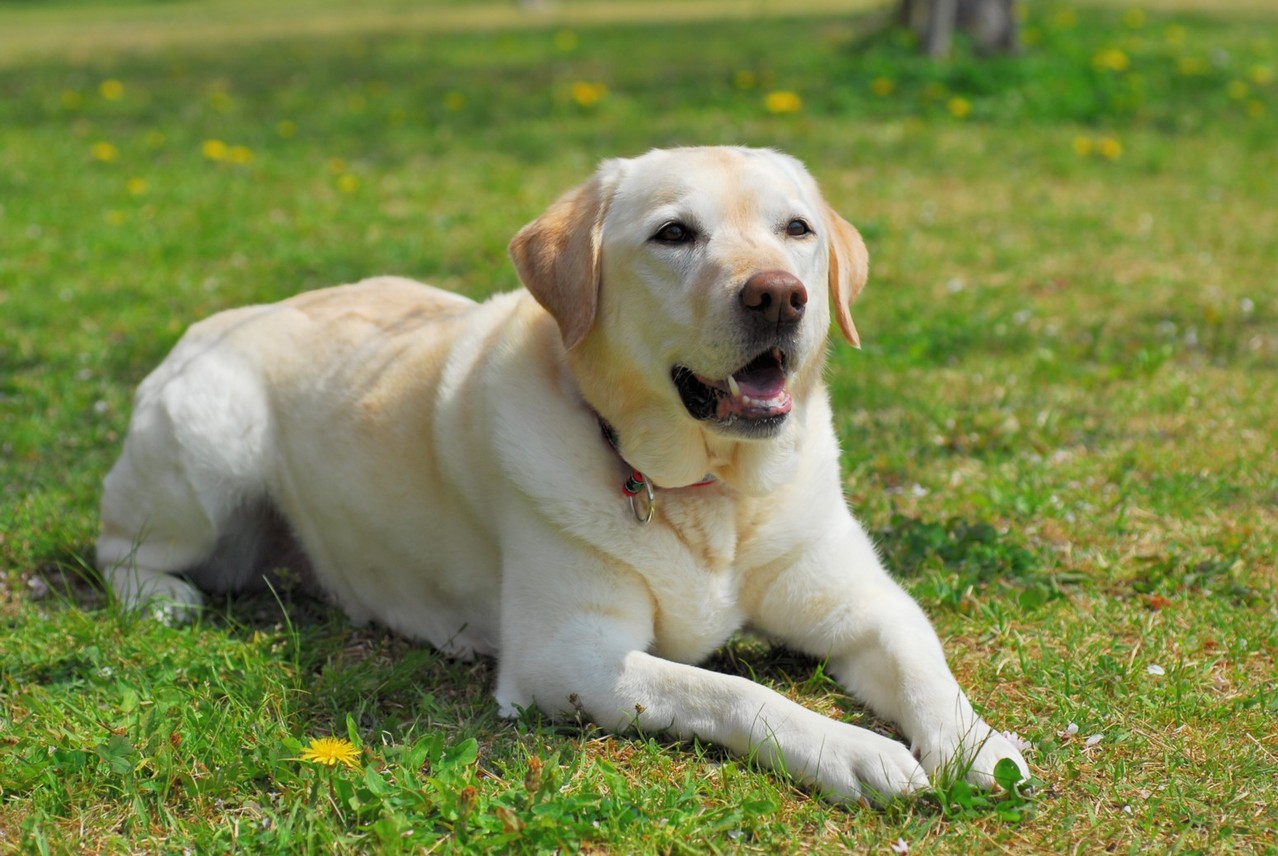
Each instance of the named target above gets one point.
<point>239,154</point>
<point>1175,35</point>
<point>286,128</point>
<point>347,183</point>
<point>783,101</point>
<point>566,41</point>
<point>1065,18</point>
<point>454,101</point>
<point>135,186</point>
<point>1237,90</point>
<point>214,149</point>
<point>1082,146</point>
<point>71,99</point>
<point>330,751</point>
<point>1261,75</point>
<point>111,90</point>
<point>588,94</point>
<point>882,87</point>
<point>959,107</point>
<point>1111,59</point>
<point>1134,18</point>
<point>745,79</point>
<point>103,151</point>
<point>1109,148</point>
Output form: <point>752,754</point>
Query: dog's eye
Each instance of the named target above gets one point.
<point>797,228</point>
<point>673,233</point>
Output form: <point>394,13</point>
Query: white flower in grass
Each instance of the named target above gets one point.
<point>1070,731</point>
<point>900,846</point>
<point>1155,669</point>
<point>1093,740</point>
<point>1021,744</point>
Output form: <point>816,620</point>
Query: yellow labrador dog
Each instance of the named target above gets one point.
<point>596,480</point>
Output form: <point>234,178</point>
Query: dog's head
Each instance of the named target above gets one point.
<point>692,291</point>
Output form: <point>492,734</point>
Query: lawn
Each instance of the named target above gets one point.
<point>1061,427</point>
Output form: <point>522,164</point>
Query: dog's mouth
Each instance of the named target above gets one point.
<point>753,398</point>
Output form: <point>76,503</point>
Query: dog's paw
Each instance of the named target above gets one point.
<point>859,766</point>
<point>972,755</point>
<point>164,597</point>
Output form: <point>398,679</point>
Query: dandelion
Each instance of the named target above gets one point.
<point>588,94</point>
<point>1134,18</point>
<point>239,154</point>
<point>1112,59</point>
<point>135,186</point>
<point>783,101</point>
<point>214,149</point>
<point>103,151</point>
<point>1065,18</point>
<point>1175,35</point>
<point>347,183</point>
<point>1261,75</point>
<point>114,217</point>
<point>1109,148</point>
<point>881,87</point>
<point>959,107</point>
<point>111,90</point>
<point>1237,90</point>
<point>330,751</point>
<point>1082,146</point>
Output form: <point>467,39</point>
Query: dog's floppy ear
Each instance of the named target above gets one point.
<point>849,267</point>
<point>557,256</point>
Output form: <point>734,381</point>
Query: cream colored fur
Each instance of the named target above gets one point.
<point>441,465</point>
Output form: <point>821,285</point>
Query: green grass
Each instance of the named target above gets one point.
<point>1061,427</point>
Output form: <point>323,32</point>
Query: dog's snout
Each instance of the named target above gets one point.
<point>776,296</point>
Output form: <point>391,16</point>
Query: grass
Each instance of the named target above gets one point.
<point>1061,427</point>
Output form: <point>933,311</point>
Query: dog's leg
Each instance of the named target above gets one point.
<point>192,462</point>
<point>839,603</point>
<point>579,647</point>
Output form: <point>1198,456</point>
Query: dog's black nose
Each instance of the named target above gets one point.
<point>777,296</point>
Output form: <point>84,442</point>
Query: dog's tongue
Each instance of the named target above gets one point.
<point>757,391</point>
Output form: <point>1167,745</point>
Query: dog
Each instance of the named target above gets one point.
<point>595,479</point>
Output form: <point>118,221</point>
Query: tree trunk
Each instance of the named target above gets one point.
<point>991,24</point>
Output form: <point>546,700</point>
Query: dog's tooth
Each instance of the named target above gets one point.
<point>733,387</point>
<point>745,399</point>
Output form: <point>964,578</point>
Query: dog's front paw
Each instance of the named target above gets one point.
<point>855,765</point>
<point>972,754</point>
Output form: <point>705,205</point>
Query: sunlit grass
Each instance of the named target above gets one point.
<point>1060,427</point>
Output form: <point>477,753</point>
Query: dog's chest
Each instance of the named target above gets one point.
<point>692,575</point>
